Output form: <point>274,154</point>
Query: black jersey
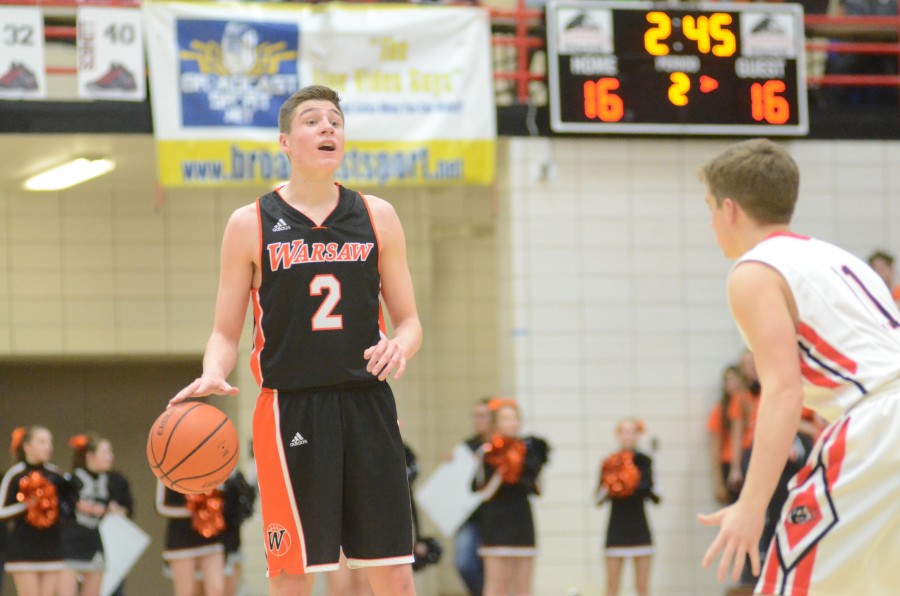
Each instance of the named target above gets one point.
<point>318,306</point>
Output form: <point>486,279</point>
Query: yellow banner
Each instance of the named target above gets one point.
<point>397,163</point>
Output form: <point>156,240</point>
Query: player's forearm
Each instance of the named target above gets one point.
<point>408,334</point>
<point>776,425</point>
<point>220,356</point>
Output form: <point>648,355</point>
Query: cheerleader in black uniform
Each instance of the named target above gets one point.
<point>239,501</point>
<point>626,479</point>
<point>507,476</point>
<point>34,494</point>
<point>193,542</point>
<point>82,547</point>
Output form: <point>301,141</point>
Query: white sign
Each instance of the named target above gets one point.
<point>110,52</point>
<point>447,495</point>
<point>22,74</point>
<point>415,83</point>
<point>123,544</point>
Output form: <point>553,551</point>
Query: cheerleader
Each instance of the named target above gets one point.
<point>507,476</point>
<point>193,539</point>
<point>81,544</point>
<point>626,480</point>
<point>34,494</point>
<point>239,501</point>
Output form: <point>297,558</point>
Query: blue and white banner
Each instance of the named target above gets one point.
<point>415,82</point>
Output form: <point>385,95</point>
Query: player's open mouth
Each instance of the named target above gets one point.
<point>326,147</point>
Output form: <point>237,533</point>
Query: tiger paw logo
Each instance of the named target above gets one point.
<point>278,540</point>
<point>810,516</point>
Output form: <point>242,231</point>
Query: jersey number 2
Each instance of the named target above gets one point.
<point>324,319</point>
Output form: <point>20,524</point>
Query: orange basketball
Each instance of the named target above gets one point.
<point>192,447</point>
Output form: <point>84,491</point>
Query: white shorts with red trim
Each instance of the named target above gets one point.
<point>839,532</point>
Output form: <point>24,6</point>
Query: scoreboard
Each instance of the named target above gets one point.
<point>705,69</point>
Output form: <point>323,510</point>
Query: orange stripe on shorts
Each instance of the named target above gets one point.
<point>284,540</point>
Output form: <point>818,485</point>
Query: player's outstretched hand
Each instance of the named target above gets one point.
<point>739,533</point>
<point>384,357</point>
<point>201,388</point>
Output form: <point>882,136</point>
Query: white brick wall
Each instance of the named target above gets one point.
<point>618,294</point>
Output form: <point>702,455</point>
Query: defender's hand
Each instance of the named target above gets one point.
<point>739,533</point>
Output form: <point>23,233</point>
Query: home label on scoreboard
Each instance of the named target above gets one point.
<point>640,67</point>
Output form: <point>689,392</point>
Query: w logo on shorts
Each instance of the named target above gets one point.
<point>278,540</point>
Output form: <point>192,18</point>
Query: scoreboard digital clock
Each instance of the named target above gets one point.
<point>633,67</point>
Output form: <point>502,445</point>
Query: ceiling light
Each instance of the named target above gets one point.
<point>69,174</point>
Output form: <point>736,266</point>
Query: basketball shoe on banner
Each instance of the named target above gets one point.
<point>117,78</point>
<point>18,77</point>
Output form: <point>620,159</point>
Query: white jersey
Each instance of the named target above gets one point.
<point>849,326</point>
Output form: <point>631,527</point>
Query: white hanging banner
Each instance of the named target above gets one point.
<point>415,84</point>
<point>22,74</point>
<point>110,52</point>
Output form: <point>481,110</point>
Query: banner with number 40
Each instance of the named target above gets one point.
<point>110,54</point>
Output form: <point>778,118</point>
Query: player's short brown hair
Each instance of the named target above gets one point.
<point>310,92</point>
<point>758,175</point>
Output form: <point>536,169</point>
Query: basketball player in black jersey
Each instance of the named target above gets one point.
<point>316,259</point>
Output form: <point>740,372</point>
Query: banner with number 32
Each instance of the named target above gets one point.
<point>22,74</point>
<point>110,54</point>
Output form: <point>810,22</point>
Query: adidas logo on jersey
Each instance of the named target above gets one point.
<point>298,440</point>
<point>281,226</point>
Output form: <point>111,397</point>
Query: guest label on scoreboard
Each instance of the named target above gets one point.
<point>730,69</point>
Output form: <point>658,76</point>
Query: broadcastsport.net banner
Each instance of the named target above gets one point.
<point>415,85</point>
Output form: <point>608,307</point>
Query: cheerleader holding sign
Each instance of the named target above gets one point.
<point>626,480</point>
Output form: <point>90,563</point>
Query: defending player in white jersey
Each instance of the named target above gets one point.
<point>811,313</point>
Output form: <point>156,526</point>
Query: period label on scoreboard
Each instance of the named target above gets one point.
<point>729,69</point>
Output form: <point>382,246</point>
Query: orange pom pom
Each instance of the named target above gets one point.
<point>207,512</point>
<point>506,455</point>
<point>39,494</point>
<point>619,474</point>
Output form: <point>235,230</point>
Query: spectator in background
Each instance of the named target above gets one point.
<point>868,64</point>
<point>2,552</point>
<point>883,264</point>
<point>468,537</point>
<point>728,439</point>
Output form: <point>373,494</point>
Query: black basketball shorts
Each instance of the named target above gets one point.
<point>332,475</point>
